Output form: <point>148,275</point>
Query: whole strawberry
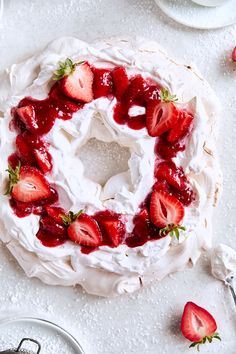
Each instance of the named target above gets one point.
<point>198,325</point>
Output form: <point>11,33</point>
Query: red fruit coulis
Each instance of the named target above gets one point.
<point>139,92</point>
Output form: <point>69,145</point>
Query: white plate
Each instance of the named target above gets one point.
<point>192,15</point>
<point>52,338</point>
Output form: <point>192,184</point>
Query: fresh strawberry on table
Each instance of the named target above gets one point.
<point>27,184</point>
<point>161,115</point>
<point>198,325</point>
<point>83,229</point>
<point>234,55</point>
<point>75,79</point>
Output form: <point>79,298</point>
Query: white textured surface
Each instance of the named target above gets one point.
<point>138,323</point>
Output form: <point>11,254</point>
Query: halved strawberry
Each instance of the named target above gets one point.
<point>165,209</point>
<point>85,231</point>
<point>24,150</point>
<point>76,80</point>
<point>44,159</point>
<point>120,80</point>
<point>27,116</point>
<point>103,83</point>
<point>112,228</point>
<point>198,325</point>
<point>56,214</point>
<point>28,184</point>
<point>174,175</point>
<point>234,55</point>
<point>160,117</point>
<point>181,128</point>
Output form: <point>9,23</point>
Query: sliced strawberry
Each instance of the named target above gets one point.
<point>160,117</point>
<point>85,231</point>
<point>78,84</point>
<point>165,209</point>
<point>174,175</point>
<point>234,55</point>
<point>161,186</point>
<point>120,80</point>
<point>135,93</point>
<point>103,83</point>
<point>49,239</point>
<point>44,159</point>
<point>31,185</point>
<point>24,150</point>
<point>50,225</point>
<point>56,213</point>
<point>143,214</point>
<point>13,160</point>
<point>34,141</point>
<point>27,115</point>
<point>112,228</point>
<point>198,325</point>
<point>152,94</point>
<point>168,150</point>
<point>52,199</point>
<point>181,128</point>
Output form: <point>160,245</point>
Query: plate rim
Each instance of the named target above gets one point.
<point>160,4</point>
<point>14,319</point>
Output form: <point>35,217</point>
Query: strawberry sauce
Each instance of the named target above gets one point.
<point>33,119</point>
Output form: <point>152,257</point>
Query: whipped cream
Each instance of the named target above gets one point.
<point>223,262</point>
<point>111,271</point>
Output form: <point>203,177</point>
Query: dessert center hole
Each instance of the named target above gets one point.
<point>103,160</point>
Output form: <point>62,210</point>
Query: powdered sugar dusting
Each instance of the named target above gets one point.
<point>148,321</point>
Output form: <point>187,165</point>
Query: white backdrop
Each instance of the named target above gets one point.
<point>146,322</point>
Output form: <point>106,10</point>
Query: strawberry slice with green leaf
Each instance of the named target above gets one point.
<point>76,80</point>
<point>198,325</point>
<point>181,128</point>
<point>161,115</point>
<point>27,184</point>
<point>83,229</point>
<point>28,117</point>
<point>165,209</point>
